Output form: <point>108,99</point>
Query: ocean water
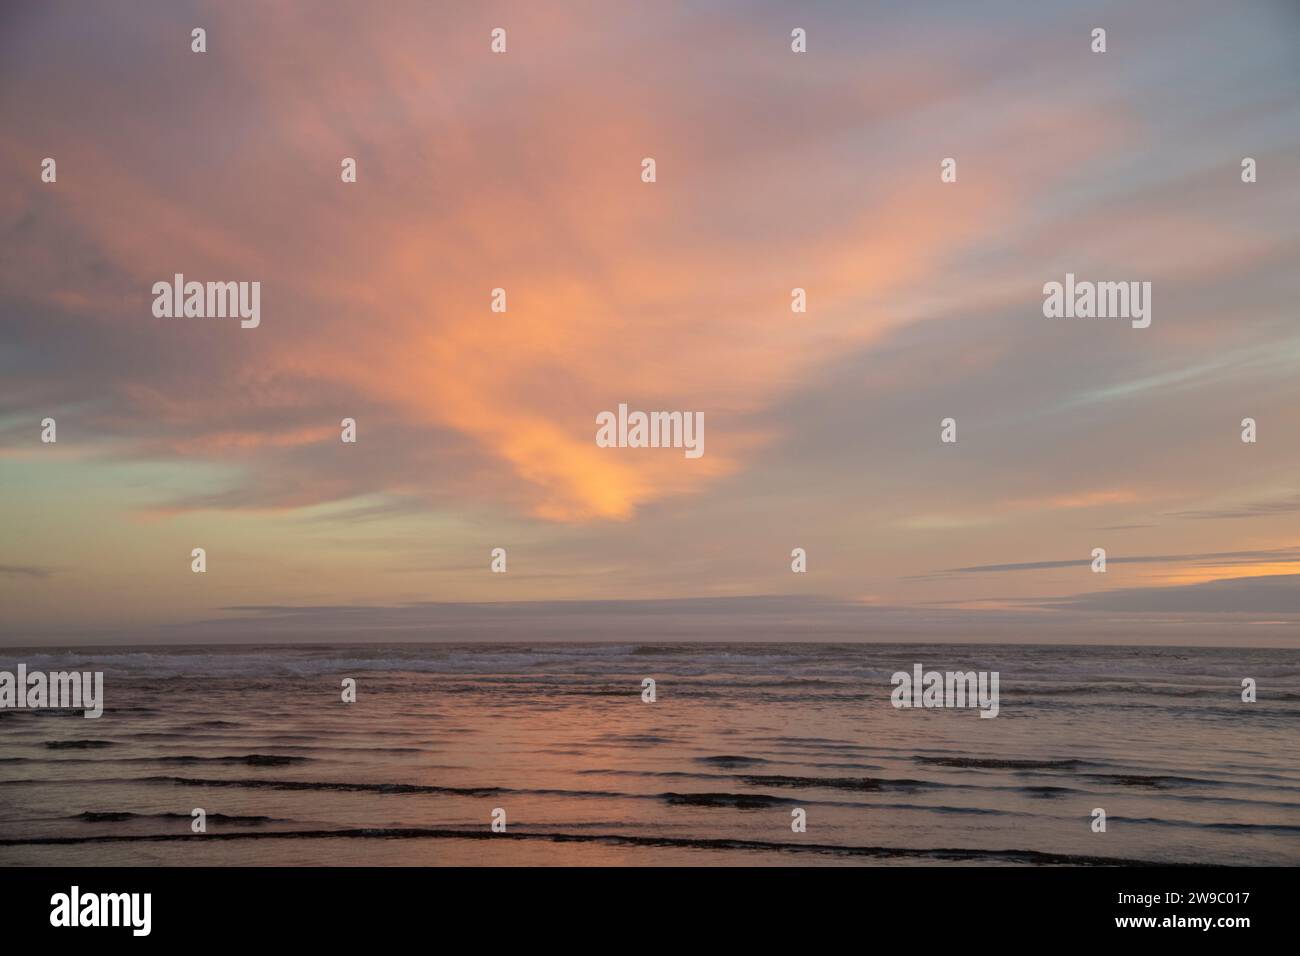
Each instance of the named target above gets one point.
<point>740,735</point>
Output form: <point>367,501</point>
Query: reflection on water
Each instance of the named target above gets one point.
<point>558,736</point>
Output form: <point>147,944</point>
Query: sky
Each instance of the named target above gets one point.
<point>775,170</point>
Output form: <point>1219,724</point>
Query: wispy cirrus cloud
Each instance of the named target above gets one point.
<point>1215,559</point>
<point>1253,509</point>
<point>25,571</point>
<point>521,171</point>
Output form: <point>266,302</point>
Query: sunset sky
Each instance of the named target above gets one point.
<point>775,170</point>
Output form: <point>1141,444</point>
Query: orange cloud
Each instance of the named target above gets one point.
<point>668,296</point>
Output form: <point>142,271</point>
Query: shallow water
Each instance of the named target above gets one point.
<point>557,736</point>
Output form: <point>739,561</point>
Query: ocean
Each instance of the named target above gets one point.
<point>741,741</point>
